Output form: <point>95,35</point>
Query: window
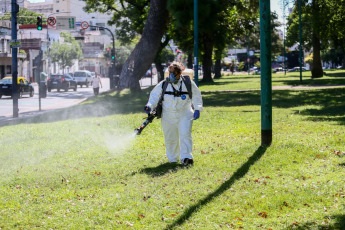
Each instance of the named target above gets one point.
<point>8,69</point>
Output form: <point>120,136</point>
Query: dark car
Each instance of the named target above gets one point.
<point>61,81</point>
<point>24,87</point>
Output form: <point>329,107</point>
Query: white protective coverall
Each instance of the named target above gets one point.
<point>177,118</point>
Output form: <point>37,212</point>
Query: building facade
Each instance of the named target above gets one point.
<point>6,51</point>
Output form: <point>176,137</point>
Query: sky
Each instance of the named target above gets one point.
<point>275,6</point>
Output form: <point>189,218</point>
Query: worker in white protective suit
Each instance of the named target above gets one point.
<point>177,114</point>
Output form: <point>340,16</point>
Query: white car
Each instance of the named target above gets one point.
<point>83,77</point>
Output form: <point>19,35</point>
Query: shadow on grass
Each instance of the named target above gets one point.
<point>162,169</point>
<point>331,101</point>
<point>339,224</point>
<point>241,172</point>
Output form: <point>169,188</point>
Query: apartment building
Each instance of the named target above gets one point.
<point>6,51</point>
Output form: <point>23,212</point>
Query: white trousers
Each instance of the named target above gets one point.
<point>178,136</point>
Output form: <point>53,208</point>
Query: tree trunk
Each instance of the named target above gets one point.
<point>160,71</point>
<point>207,61</point>
<point>217,69</point>
<point>316,71</point>
<point>158,59</point>
<point>145,51</point>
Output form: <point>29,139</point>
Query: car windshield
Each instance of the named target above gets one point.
<point>55,76</point>
<point>6,81</point>
<point>79,74</point>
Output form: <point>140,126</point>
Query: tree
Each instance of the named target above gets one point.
<point>24,17</point>
<point>315,22</point>
<point>147,18</point>
<point>65,53</point>
<point>220,22</point>
<point>145,51</point>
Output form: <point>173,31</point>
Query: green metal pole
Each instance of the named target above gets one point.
<point>266,73</point>
<point>248,57</point>
<point>300,39</point>
<point>196,34</point>
<point>15,10</point>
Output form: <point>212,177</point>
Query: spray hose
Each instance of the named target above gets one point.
<point>148,120</point>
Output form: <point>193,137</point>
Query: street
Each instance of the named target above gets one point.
<point>29,106</point>
<point>54,100</point>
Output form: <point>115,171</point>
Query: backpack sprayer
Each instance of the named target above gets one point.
<point>148,120</point>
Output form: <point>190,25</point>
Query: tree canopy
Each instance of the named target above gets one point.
<point>24,17</point>
<point>65,53</point>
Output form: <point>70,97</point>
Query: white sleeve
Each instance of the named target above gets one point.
<point>155,95</point>
<point>196,97</point>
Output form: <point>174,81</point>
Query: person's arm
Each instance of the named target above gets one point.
<point>197,98</point>
<point>100,82</point>
<point>155,95</point>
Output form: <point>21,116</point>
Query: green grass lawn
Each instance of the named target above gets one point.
<point>82,167</point>
<point>240,82</point>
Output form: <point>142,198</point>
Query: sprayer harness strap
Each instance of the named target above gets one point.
<point>186,80</point>
<point>176,93</point>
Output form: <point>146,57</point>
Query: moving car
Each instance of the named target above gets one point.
<point>83,77</point>
<point>61,81</point>
<point>24,87</point>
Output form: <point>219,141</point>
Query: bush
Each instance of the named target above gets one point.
<point>241,66</point>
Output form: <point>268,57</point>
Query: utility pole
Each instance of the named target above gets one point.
<point>196,43</point>
<point>15,10</point>
<point>248,57</point>
<point>285,3</point>
<point>266,73</point>
<point>300,39</point>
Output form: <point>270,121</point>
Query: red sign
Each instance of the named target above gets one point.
<point>51,21</point>
<point>84,25</point>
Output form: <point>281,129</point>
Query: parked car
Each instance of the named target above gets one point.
<point>83,77</point>
<point>61,81</point>
<point>296,69</point>
<point>24,87</point>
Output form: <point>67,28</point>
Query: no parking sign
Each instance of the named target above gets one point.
<point>84,25</point>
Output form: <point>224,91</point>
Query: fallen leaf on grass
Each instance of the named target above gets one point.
<point>141,216</point>
<point>263,214</point>
<point>97,173</point>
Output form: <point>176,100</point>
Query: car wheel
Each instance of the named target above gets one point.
<point>49,89</point>
<point>75,88</point>
<point>0,95</point>
<point>31,93</point>
<point>58,89</point>
<point>81,86</point>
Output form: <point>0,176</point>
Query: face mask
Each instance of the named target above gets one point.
<point>172,78</point>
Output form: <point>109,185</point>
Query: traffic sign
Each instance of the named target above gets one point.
<point>65,22</point>
<point>15,44</point>
<point>84,25</point>
<point>51,21</point>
